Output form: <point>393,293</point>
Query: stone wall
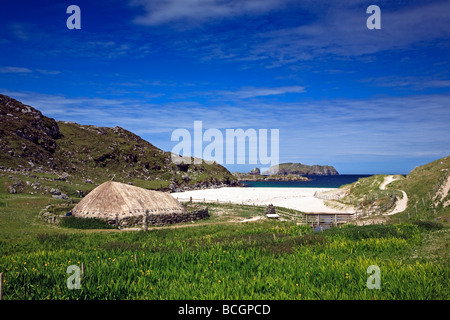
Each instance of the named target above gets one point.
<point>162,219</point>
<point>200,212</point>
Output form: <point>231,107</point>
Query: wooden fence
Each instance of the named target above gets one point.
<point>321,218</point>
<point>311,219</point>
<point>215,201</point>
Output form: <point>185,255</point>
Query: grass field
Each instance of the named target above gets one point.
<point>218,258</point>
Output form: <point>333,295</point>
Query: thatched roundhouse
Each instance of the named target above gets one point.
<point>126,205</point>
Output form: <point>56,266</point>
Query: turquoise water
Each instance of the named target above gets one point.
<point>316,182</point>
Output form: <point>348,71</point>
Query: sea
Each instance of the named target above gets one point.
<point>334,181</point>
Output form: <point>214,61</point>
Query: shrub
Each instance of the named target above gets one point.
<point>373,231</point>
<point>52,238</point>
<point>311,239</point>
<point>428,225</point>
<point>121,246</point>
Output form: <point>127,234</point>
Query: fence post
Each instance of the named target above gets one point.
<point>1,286</point>
<point>190,199</point>
<point>82,270</point>
<point>146,220</point>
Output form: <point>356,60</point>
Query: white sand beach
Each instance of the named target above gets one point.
<point>294,198</point>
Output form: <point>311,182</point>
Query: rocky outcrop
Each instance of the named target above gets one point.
<point>301,169</point>
<point>276,177</point>
<point>32,142</point>
<point>26,134</point>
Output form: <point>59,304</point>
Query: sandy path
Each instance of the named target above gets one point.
<point>301,199</point>
<point>401,204</point>
<point>386,181</point>
<point>442,193</point>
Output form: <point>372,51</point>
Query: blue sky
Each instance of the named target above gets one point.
<point>364,101</point>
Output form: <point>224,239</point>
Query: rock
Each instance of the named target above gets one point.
<point>55,192</point>
<point>12,190</point>
<point>172,186</point>
<point>255,171</point>
<point>62,196</point>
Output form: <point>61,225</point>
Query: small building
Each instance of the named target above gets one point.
<point>270,212</point>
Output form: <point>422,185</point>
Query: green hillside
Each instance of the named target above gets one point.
<point>428,197</point>
<point>426,188</point>
<point>38,149</point>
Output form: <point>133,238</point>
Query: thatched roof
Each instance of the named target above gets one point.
<point>114,198</point>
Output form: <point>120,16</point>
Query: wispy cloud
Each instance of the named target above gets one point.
<point>252,92</point>
<point>333,29</point>
<point>161,12</point>
<point>322,129</point>
<point>342,31</point>
<point>14,70</point>
<point>418,83</point>
<point>20,31</point>
<point>22,70</point>
<point>48,72</point>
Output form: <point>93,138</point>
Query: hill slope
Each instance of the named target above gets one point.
<point>32,142</point>
<point>427,189</point>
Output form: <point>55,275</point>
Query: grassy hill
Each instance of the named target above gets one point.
<point>426,188</point>
<point>40,150</point>
<point>428,198</point>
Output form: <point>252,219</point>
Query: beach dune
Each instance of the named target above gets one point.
<point>301,199</point>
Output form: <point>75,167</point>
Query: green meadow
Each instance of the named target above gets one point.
<point>219,258</point>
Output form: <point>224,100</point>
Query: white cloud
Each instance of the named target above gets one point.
<point>322,129</point>
<point>253,92</point>
<point>343,32</point>
<point>331,29</point>
<point>165,11</point>
<point>22,70</point>
<point>14,70</point>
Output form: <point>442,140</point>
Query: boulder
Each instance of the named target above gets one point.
<point>55,191</point>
